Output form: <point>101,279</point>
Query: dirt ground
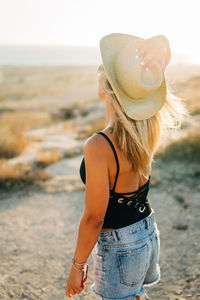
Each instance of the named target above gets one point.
<point>39,230</point>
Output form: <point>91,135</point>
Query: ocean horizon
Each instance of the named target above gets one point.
<point>58,55</point>
<point>39,55</point>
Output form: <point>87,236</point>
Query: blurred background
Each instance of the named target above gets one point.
<point>49,56</point>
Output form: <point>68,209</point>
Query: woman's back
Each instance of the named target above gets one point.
<point>128,180</point>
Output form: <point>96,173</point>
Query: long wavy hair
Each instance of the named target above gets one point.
<point>139,139</point>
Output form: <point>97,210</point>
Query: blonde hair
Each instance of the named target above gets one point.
<point>139,139</point>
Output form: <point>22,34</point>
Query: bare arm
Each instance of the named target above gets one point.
<point>96,198</point>
<point>96,201</point>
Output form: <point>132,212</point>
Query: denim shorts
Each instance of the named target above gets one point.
<point>127,259</point>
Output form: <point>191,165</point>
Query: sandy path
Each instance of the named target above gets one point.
<point>38,235</point>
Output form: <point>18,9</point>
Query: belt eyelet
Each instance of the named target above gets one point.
<point>120,200</point>
<point>142,209</point>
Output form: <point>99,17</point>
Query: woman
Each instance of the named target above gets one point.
<point>120,229</point>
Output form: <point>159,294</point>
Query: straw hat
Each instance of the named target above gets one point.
<point>140,92</point>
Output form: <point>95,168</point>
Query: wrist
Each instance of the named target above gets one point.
<point>77,268</point>
<point>74,261</point>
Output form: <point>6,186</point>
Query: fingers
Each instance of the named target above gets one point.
<point>143,50</point>
<point>163,63</point>
<point>71,292</point>
<point>78,291</point>
<point>148,58</point>
<point>154,63</point>
<point>159,60</point>
<point>152,59</point>
<point>144,47</point>
<point>68,294</point>
<point>152,53</point>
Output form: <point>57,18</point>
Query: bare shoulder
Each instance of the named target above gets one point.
<point>95,144</point>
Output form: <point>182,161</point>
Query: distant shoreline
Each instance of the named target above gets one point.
<point>63,55</point>
<point>35,55</point>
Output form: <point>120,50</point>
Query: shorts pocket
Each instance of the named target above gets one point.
<point>133,264</point>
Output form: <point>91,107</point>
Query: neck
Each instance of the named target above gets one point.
<point>110,117</point>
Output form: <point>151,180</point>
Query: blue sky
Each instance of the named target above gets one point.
<point>84,22</point>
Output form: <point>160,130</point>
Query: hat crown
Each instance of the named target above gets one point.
<point>131,76</point>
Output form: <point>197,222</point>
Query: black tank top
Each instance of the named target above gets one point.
<point>123,210</point>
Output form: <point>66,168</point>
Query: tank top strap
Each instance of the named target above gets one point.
<point>116,158</point>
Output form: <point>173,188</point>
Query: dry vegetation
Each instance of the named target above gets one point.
<point>186,149</point>
<point>51,156</point>
<point>12,144</point>
<point>190,91</point>
<point>16,176</point>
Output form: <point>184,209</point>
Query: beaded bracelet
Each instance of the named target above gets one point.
<point>78,268</point>
<point>79,264</point>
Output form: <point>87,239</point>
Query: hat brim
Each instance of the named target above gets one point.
<point>139,109</point>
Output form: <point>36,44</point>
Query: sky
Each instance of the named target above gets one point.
<point>84,22</point>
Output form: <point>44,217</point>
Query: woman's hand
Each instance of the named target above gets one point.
<point>73,285</point>
<point>155,50</point>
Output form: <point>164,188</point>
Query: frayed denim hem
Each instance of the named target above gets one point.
<point>129,297</point>
<point>152,282</point>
